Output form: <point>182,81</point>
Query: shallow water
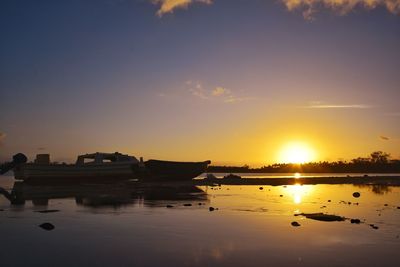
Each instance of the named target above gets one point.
<point>126,225</point>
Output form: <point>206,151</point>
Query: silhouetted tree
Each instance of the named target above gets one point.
<point>379,157</point>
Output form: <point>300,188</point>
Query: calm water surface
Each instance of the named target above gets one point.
<point>127,225</point>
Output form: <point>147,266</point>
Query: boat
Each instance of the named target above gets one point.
<point>104,166</point>
<point>173,170</point>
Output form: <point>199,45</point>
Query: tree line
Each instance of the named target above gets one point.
<point>377,162</point>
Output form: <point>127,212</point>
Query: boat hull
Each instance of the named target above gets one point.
<point>149,170</point>
<point>55,172</point>
<point>173,170</point>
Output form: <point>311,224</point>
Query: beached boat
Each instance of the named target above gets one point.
<point>173,170</point>
<point>107,166</point>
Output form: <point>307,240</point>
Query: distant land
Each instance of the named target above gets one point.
<point>377,162</point>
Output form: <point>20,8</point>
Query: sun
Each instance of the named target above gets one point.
<point>296,152</point>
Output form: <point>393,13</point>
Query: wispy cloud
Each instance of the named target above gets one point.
<point>329,106</point>
<point>384,137</point>
<point>168,6</point>
<point>393,114</point>
<point>341,7</point>
<point>217,93</point>
<point>197,90</point>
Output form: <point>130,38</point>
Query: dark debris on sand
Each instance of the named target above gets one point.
<point>355,221</point>
<point>356,194</point>
<point>373,226</point>
<point>47,211</point>
<point>47,226</point>
<point>322,217</point>
<point>295,224</point>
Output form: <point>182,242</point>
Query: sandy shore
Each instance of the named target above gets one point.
<point>373,180</point>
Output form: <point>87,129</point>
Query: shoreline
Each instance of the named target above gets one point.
<point>356,180</point>
<point>313,180</point>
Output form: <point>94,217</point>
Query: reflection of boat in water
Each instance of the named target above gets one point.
<point>105,166</point>
<point>106,194</point>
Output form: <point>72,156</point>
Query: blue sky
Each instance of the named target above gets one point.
<point>226,80</point>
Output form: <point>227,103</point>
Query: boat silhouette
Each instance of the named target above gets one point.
<point>102,166</point>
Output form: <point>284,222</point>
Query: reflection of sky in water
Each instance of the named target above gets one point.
<point>252,227</point>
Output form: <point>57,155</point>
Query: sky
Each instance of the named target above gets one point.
<point>232,81</point>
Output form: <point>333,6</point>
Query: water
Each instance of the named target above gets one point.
<point>126,225</point>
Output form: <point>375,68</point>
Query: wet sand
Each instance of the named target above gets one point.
<point>373,180</point>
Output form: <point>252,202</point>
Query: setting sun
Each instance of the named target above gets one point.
<point>296,152</point>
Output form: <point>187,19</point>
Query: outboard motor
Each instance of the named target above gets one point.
<point>17,159</point>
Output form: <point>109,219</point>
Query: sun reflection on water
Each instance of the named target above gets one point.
<point>298,192</point>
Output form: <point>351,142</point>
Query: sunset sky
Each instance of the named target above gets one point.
<point>232,81</point>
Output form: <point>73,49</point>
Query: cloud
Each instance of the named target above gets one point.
<point>307,7</point>
<point>393,114</point>
<point>233,99</point>
<point>354,106</point>
<point>197,90</point>
<point>384,138</point>
<point>168,6</point>
<point>341,7</point>
<point>217,93</point>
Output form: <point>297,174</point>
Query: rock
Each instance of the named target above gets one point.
<point>356,221</point>
<point>322,217</point>
<point>211,209</point>
<point>47,211</point>
<point>295,224</point>
<point>356,194</point>
<point>374,226</point>
<point>47,226</point>
<point>187,204</point>
<point>261,188</point>
<point>170,206</point>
